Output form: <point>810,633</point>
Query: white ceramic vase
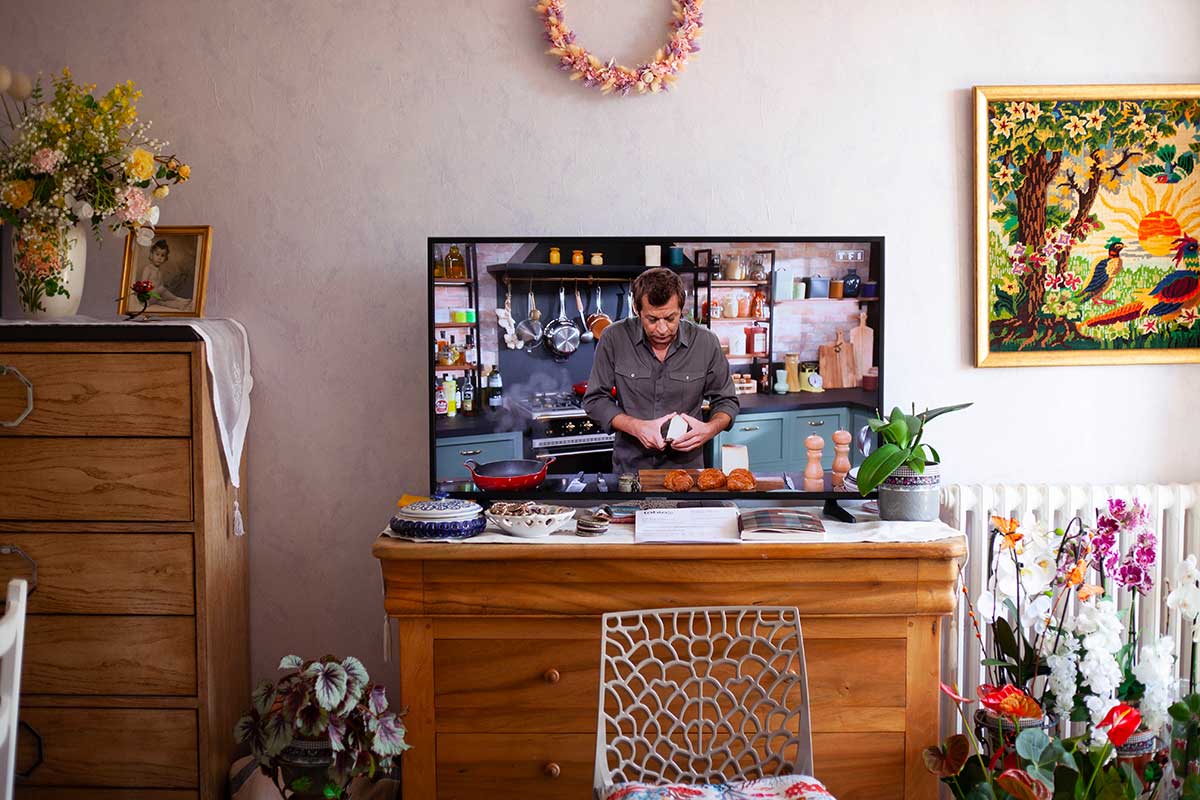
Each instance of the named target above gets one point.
<point>49,270</point>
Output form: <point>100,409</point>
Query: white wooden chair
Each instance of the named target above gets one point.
<point>702,696</point>
<point>12,643</point>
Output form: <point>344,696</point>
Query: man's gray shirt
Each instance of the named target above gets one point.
<point>694,369</point>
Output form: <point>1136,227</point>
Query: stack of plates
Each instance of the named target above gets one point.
<point>439,519</point>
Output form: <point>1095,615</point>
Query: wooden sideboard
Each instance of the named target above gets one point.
<point>136,661</point>
<point>499,653</point>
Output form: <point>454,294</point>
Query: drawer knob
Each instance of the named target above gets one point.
<point>469,452</point>
<point>552,770</point>
<point>816,423</point>
<point>749,428</point>
<point>551,676</point>
<point>16,373</point>
<point>13,550</point>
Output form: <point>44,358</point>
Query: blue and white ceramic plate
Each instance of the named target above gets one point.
<point>457,529</point>
<point>440,509</point>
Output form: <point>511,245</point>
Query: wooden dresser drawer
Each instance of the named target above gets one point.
<point>96,479</point>
<point>99,394</point>
<point>110,747</point>
<point>516,685</point>
<point>103,655</point>
<point>471,766</point>
<point>92,793</point>
<point>104,573</point>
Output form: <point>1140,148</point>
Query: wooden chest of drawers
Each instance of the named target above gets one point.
<point>500,650</point>
<point>136,646</point>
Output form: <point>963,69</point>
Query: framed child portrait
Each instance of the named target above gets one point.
<point>175,263</point>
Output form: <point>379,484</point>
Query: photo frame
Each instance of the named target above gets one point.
<point>1087,212</point>
<point>176,262</point>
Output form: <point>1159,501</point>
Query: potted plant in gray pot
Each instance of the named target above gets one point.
<point>905,468</point>
<point>319,726</point>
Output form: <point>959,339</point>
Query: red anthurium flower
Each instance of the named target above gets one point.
<point>953,694</point>
<point>1009,701</point>
<point>1023,786</point>
<point>1121,720</point>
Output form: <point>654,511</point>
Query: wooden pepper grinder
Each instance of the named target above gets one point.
<point>814,473</point>
<point>841,459</point>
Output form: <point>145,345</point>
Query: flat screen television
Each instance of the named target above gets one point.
<point>793,324</point>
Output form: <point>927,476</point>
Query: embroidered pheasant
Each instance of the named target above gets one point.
<point>1178,290</point>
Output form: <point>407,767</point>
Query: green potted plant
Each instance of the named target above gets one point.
<point>322,724</point>
<point>905,469</point>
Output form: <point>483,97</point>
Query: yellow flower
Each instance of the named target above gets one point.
<point>17,194</point>
<point>162,191</point>
<point>140,165</point>
<point>185,172</point>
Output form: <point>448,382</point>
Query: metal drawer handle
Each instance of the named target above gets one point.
<point>552,770</point>
<point>469,452</point>
<point>37,740</point>
<point>16,373</point>
<point>816,423</point>
<point>748,428</point>
<point>552,676</point>
<point>13,550</point>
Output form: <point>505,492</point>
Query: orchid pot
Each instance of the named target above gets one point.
<point>911,496</point>
<point>999,731</point>
<point>304,766</point>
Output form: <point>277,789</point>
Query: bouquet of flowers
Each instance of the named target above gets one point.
<point>70,158</point>
<point>1060,650</point>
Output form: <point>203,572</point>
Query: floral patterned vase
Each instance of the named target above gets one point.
<point>996,732</point>
<point>49,263</point>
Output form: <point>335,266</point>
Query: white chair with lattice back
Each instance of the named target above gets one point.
<point>704,696</point>
<point>12,643</point>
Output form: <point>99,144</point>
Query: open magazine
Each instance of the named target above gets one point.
<point>780,524</point>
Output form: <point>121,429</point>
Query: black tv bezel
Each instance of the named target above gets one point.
<point>876,269</point>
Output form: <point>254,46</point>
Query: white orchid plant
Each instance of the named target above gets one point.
<point>1081,659</point>
<point>324,699</point>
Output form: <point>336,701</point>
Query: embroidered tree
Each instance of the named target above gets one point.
<point>1047,163</point>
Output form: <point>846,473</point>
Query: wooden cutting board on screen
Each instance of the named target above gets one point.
<point>652,481</point>
<point>863,339</point>
<point>836,364</point>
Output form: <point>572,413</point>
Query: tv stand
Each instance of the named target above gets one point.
<point>834,511</point>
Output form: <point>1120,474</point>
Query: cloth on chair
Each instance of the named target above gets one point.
<point>783,787</point>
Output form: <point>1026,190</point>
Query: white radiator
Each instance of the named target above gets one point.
<point>1175,509</point>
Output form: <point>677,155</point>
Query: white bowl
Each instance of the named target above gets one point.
<point>533,526</point>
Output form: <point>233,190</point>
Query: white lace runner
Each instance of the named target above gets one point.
<point>227,352</point>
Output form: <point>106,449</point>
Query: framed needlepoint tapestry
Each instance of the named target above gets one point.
<point>1087,202</point>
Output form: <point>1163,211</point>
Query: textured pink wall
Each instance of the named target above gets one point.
<point>328,139</point>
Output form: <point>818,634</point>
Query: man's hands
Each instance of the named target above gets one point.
<point>646,431</point>
<point>700,432</point>
<point>649,431</point>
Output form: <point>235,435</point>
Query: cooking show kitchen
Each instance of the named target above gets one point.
<point>604,364</point>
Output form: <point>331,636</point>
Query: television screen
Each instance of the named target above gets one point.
<point>567,366</point>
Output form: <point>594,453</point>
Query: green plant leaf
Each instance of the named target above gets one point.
<point>1193,703</point>
<point>935,457</point>
<point>1005,639</point>
<point>934,413</point>
<point>997,662</point>
<point>1030,744</point>
<point>877,466</point>
<point>876,425</point>
<point>914,426</point>
<point>916,460</point>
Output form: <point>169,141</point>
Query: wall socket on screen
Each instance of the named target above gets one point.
<point>849,255</point>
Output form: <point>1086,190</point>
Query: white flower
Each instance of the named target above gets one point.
<point>1186,594</point>
<point>1064,666</point>
<point>1035,615</point>
<point>85,211</point>
<point>987,606</point>
<point>152,219</point>
<point>1156,669</point>
<point>145,236</point>
<point>1099,629</point>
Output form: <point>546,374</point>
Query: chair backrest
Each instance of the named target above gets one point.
<point>12,644</point>
<point>702,695</point>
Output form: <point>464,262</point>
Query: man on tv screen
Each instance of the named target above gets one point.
<point>663,368</point>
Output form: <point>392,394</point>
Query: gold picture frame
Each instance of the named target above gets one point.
<point>183,282</point>
<point>1106,179</point>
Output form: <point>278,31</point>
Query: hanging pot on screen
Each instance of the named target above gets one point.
<point>529,330</point>
<point>587,335</point>
<point>598,321</point>
<point>561,335</point>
